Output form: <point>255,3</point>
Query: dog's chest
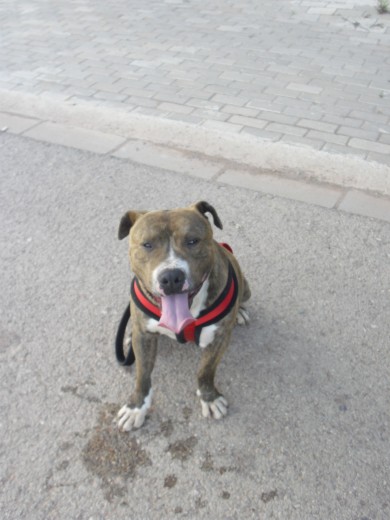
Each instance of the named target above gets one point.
<point>207,334</point>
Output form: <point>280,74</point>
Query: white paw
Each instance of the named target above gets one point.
<point>242,316</point>
<point>215,409</point>
<point>131,418</point>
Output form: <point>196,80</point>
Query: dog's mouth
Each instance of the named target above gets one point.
<point>175,309</point>
<point>175,312</point>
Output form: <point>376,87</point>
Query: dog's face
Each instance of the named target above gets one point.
<point>171,252</point>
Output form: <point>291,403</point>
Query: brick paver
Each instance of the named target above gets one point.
<point>365,204</point>
<point>311,193</point>
<point>313,72</point>
<point>75,137</point>
<point>218,169</point>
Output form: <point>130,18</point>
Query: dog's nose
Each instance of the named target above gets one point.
<point>171,281</point>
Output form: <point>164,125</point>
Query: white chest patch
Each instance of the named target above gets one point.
<point>153,326</point>
<point>207,335</point>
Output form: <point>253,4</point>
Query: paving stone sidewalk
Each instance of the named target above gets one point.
<point>311,73</point>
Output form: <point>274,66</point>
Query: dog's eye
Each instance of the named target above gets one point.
<point>192,242</point>
<point>147,245</point>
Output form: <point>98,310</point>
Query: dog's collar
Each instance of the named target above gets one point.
<point>218,310</point>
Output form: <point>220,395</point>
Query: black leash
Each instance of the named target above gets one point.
<point>120,335</point>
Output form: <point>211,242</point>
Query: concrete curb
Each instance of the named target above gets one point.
<point>298,173</point>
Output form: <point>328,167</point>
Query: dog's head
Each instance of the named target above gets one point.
<point>171,254</point>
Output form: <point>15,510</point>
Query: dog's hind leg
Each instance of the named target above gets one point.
<point>246,294</point>
<point>242,314</point>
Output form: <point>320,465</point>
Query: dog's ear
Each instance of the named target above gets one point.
<point>204,207</point>
<point>127,221</point>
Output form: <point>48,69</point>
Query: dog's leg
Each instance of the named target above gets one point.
<point>133,415</point>
<point>213,402</point>
<point>242,314</point>
<point>246,292</point>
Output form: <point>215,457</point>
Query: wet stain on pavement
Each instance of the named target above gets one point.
<point>170,481</point>
<point>65,446</point>
<point>62,466</point>
<point>207,465</point>
<point>166,428</point>
<point>81,394</point>
<point>183,449</point>
<point>8,339</point>
<point>200,504</point>
<point>268,496</point>
<point>113,456</point>
<point>342,402</point>
<point>187,412</point>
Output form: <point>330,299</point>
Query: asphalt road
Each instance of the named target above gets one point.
<point>307,436</point>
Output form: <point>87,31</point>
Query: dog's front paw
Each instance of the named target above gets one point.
<point>242,316</point>
<point>129,418</point>
<point>215,409</point>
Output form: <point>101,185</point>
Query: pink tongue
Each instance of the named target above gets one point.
<point>175,314</point>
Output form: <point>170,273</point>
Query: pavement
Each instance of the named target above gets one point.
<point>280,119</point>
<point>307,435</point>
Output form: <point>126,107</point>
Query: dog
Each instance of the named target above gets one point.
<point>186,286</point>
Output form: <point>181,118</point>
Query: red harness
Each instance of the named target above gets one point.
<point>218,310</point>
